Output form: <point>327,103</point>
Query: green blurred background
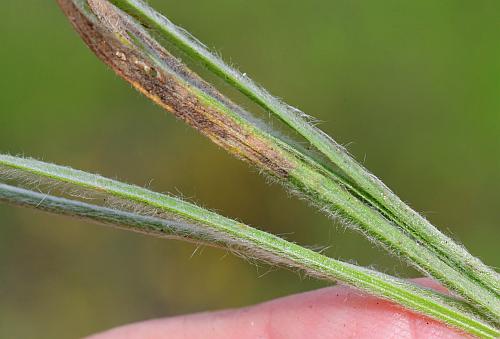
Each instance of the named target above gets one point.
<point>412,87</point>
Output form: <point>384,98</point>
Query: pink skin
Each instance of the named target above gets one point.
<point>333,312</point>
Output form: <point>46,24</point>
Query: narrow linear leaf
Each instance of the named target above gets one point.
<point>216,230</point>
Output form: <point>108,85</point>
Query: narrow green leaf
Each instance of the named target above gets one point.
<point>190,222</point>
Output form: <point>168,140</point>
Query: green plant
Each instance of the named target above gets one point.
<point>132,45</point>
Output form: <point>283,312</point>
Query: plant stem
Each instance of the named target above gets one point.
<point>138,58</point>
<point>195,224</point>
<point>373,190</point>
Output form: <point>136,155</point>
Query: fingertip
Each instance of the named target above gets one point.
<point>332,312</point>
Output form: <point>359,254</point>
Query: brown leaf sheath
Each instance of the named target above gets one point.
<point>175,89</point>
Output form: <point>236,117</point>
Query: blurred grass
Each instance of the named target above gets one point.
<point>366,69</point>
